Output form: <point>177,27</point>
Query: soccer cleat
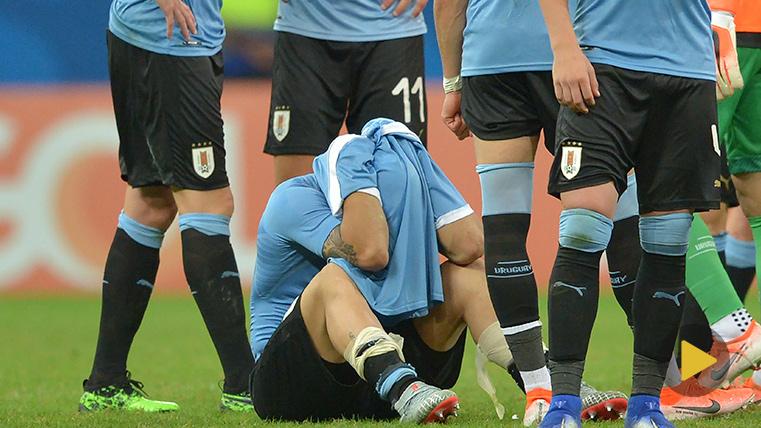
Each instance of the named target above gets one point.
<point>691,400</point>
<point>423,404</point>
<point>733,358</point>
<point>601,406</point>
<point>537,404</point>
<point>742,383</point>
<point>565,412</point>
<point>127,396</point>
<point>644,412</point>
<point>240,403</point>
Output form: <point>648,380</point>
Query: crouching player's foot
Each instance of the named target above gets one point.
<point>423,404</point>
<point>236,402</point>
<point>565,412</point>
<point>126,396</point>
<point>601,405</point>
<point>537,405</point>
<point>645,412</point>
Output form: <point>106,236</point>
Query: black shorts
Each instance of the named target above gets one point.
<point>728,191</point>
<point>511,105</point>
<point>168,117</point>
<point>317,83</point>
<point>662,126</point>
<point>291,382</point>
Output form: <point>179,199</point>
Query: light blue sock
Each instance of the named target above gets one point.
<point>208,224</point>
<point>144,235</point>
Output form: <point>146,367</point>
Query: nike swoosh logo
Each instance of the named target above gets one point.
<point>708,410</point>
<point>720,373</point>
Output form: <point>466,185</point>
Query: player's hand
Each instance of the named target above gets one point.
<point>575,80</point>
<point>403,5</point>
<point>451,116</point>
<point>728,75</point>
<point>177,12</point>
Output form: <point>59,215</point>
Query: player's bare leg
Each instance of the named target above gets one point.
<point>343,328</point>
<point>212,275</point>
<point>130,272</point>
<point>289,166</point>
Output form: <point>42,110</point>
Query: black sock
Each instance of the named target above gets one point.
<point>694,327</point>
<point>624,253</point>
<point>512,286</point>
<point>127,284</point>
<point>573,298</point>
<point>658,303</point>
<point>741,278</point>
<point>379,367</point>
<point>212,274</point>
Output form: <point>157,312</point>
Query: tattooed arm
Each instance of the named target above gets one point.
<point>362,237</point>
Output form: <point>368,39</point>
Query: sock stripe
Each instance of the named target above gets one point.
<point>208,224</point>
<point>144,235</point>
<point>507,331</point>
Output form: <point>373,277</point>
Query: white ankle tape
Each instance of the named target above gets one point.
<point>492,347</point>
<point>370,342</point>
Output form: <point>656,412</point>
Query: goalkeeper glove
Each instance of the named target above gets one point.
<point>728,76</point>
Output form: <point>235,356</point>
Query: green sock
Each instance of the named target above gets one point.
<point>755,227</point>
<point>707,280</point>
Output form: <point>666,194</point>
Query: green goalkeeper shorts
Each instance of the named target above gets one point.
<point>740,117</point>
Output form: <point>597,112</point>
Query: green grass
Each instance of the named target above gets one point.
<point>48,342</point>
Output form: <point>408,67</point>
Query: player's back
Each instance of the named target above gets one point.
<point>289,242</point>
<point>504,36</point>
<point>142,23</point>
<point>659,36</point>
<point>346,20</point>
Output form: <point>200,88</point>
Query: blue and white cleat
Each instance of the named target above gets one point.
<point>565,412</point>
<point>645,412</point>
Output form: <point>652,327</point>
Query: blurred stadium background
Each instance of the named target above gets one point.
<point>60,190</point>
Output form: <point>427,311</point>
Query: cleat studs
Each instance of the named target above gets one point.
<point>608,407</point>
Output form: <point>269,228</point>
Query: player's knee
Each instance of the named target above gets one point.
<point>584,230</point>
<point>665,234</point>
<point>157,215</point>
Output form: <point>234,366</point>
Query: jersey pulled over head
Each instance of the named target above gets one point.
<point>389,162</point>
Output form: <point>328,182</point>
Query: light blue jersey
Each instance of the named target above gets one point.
<point>388,162</point>
<point>658,36</point>
<point>346,20</point>
<point>142,23</point>
<point>503,36</point>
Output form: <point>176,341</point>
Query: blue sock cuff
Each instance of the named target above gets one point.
<point>628,204</point>
<point>584,230</point>
<point>506,188</point>
<point>385,384</point>
<point>208,224</point>
<point>639,403</point>
<point>666,235</point>
<point>740,254</point>
<point>144,235</point>
<point>721,241</point>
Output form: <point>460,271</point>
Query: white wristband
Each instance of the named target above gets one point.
<point>452,84</point>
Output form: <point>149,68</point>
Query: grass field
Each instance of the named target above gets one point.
<point>47,346</point>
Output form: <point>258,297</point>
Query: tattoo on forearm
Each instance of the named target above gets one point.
<point>335,247</point>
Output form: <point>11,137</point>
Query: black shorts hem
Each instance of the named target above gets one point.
<point>504,135</point>
<point>283,149</point>
<point>555,189</point>
<point>685,204</point>
<point>136,184</point>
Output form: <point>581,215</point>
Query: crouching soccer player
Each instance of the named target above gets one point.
<point>166,89</point>
<point>378,332</point>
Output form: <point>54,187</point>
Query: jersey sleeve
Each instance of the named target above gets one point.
<point>299,214</point>
<point>346,167</point>
<point>447,202</point>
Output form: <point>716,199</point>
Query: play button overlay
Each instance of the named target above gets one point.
<point>694,360</point>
